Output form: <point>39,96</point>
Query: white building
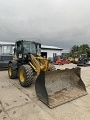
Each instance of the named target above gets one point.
<point>50,51</point>
<point>46,51</point>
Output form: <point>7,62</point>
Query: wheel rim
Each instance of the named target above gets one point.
<point>10,71</point>
<point>22,76</point>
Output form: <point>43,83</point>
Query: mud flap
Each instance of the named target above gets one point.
<point>60,86</point>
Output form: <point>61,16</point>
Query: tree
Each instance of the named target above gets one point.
<point>77,50</point>
<point>74,50</point>
<point>83,49</point>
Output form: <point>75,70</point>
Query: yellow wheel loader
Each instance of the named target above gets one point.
<point>53,87</point>
<point>73,60</point>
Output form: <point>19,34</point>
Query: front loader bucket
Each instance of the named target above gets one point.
<point>60,86</point>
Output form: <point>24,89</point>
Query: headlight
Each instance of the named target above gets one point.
<point>25,56</point>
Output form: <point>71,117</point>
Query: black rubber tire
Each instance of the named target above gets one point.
<point>12,73</point>
<point>28,75</point>
<point>52,67</point>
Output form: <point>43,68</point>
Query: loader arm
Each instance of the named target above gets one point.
<point>39,64</point>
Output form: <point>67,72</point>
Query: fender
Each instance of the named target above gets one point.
<point>14,64</point>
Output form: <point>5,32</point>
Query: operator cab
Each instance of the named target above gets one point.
<point>83,57</point>
<point>23,49</point>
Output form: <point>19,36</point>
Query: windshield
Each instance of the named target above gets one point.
<point>83,56</point>
<point>29,47</point>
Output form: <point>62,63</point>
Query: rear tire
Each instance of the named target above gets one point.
<point>26,75</point>
<point>12,72</point>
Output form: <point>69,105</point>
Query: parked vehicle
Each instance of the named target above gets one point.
<point>59,62</point>
<point>62,61</point>
<point>66,61</point>
<point>83,60</point>
<point>4,60</point>
<point>73,59</point>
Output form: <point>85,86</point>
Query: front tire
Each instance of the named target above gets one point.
<point>26,75</point>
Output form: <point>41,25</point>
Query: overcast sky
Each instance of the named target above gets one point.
<point>62,23</point>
